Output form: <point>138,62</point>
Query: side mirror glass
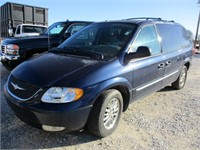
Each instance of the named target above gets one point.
<point>141,52</point>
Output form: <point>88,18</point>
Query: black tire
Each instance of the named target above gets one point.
<point>180,82</point>
<point>99,113</point>
<point>8,65</point>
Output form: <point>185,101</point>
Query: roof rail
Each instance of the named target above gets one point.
<point>144,18</point>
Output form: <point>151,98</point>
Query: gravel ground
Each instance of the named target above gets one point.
<point>165,120</point>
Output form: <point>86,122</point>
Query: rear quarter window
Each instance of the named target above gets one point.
<point>185,38</point>
<point>169,34</point>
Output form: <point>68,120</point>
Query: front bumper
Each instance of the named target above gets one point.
<point>9,57</point>
<point>44,114</point>
<point>10,62</point>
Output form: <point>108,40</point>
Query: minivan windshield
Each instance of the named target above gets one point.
<point>55,29</point>
<point>99,41</point>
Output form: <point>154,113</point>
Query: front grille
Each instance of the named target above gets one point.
<point>3,48</point>
<point>21,89</point>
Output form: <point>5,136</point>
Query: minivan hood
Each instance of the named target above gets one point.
<point>46,70</point>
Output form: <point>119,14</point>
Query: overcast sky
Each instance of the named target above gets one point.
<point>184,12</point>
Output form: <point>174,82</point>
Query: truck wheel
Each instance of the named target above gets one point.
<point>180,82</point>
<point>106,113</point>
<point>7,65</point>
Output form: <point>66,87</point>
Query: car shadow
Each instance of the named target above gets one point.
<point>26,137</point>
<point>167,89</point>
<point>16,134</point>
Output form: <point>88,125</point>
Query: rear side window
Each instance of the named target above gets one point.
<point>147,37</point>
<point>32,29</point>
<point>169,34</point>
<point>185,38</point>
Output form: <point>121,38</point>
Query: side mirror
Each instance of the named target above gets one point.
<point>197,46</point>
<point>10,32</point>
<point>67,35</point>
<point>141,52</point>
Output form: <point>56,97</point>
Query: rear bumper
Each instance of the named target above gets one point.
<point>70,120</point>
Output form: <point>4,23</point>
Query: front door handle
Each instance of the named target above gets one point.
<point>161,66</point>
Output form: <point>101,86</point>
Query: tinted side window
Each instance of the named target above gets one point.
<point>169,34</point>
<point>184,37</point>
<point>74,28</point>
<point>147,37</point>
<point>28,29</point>
<point>40,29</point>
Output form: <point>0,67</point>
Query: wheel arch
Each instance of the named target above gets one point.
<point>123,86</point>
<point>187,64</point>
<point>125,94</point>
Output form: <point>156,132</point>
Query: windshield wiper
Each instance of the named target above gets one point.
<point>56,50</point>
<point>78,52</point>
<point>91,53</point>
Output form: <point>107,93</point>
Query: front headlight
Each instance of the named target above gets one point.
<point>61,95</point>
<point>12,49</point>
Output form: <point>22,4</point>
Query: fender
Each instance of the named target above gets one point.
<point>187,60</point>
<point>99,88</point>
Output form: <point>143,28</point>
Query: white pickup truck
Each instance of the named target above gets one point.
<point>24,30</point>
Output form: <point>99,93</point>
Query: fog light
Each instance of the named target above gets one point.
<point>52,128</point>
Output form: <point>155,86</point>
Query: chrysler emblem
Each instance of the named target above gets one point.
<point>16,87</point>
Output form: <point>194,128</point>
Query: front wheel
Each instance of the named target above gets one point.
<point>9,65</point>
<point>106,113</point>
<point>180,82</point>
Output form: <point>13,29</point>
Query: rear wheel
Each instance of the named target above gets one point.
<point>180,82</point>
<point>106,113</point>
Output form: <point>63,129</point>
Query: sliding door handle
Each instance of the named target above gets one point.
<point>161,66</point>
<point>167,63</point>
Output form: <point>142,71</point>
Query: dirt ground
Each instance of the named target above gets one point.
<point>166,120</point>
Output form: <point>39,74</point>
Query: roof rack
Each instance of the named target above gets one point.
<point>144,18</point>
<point>149,18</point>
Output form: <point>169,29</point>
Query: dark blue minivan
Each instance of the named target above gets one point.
<point>92,77</point>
